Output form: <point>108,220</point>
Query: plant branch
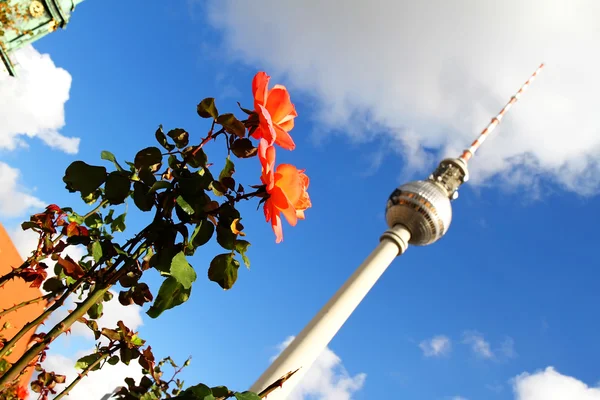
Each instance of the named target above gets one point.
<point>26,303</point>
<point>39,320</point>
<point>84,373</point>
<point>93,298</point>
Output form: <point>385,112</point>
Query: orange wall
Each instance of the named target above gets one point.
<point>14,292</point>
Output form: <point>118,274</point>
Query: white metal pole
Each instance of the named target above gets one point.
<point>314,338</point>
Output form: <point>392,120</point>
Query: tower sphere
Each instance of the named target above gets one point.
<point>423,207</point>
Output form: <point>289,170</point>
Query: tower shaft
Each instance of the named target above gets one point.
<point>314,338</point>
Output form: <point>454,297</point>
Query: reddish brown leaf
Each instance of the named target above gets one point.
<point>71,268</point>
<point>54,208</point>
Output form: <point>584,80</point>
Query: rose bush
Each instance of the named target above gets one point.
<point>186,205</point>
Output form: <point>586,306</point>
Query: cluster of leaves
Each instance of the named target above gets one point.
<point>189,206</point>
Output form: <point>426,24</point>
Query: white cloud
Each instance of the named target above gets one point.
<point>431,74</point>
<point>327,379</point>
<point>478,344</point>
<point>552,385</point>
<point>33,104</point>
<point>436,346</point>
<point>14,199</point>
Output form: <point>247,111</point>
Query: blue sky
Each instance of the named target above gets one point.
<point>517,271</point>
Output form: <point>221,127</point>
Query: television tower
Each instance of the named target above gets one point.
<point>417,213</point>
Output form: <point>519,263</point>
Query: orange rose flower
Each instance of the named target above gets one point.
<point>22,393</point>
<point>275,111</point>
<point>287,187</point>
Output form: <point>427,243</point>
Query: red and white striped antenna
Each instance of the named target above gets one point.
<point>470,152</point>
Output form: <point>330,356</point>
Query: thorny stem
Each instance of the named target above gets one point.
<point>39,319</point>
<point>84,373</point>
<point>26,303</point>
<point>62,326</point>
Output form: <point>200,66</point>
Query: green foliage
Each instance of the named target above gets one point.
<point>243,148</point>
<point>117,187</point>
<point>171,294</point>
<point>187,207</point>
<point>107,155</point>
<point>182,271</point>
<point>232,125</point>
<point>241,246</point>
<point>180,137</point>
<point>207,108</point>
<point>83,178</point>
<point>224,270</point>
<point>147,158</point>
<point>86,361</point>
<point>162,139</point>
<point>142,198</point>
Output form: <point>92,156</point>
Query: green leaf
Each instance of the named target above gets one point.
<point>94,221</point>
<point>53,284</point>
<point>246,396</point>
<point>243,148</point>
<point>170,294</point>
<point>232,124</point>
<point>207,109</point>
<point>117,187</point>
<point>195,156</point>
<point>227,170</point>
<point>160,185</point>
<point>218,188</point>
<point>97,251</point>
<point>108,156</point>
<point>180,137</point>
<point>224,270</point>
<point>83,178</point>
<point>197,392</point>
<point>147,157</point>
<point>225,237</point>
<point>142,199</point>
<point>241,246</point>
<point>137,341</point>
<point>220,391</point>
<point>162,139</point>
<point>86,361</point>
<point>118,224</point>
<point>185,205</point>
<point>74,217</point>
<point>182,271</point>
<point>109,217</point>
<point>114,360</point>
<point>202,233</point>
<point>95,311</point>
<point>147,176</point>
<point>92,197</point>
<point>245,109</point>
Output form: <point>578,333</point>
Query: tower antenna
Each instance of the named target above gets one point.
<point>470,152</point>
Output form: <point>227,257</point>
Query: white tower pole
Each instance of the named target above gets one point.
<point>314,338</point>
